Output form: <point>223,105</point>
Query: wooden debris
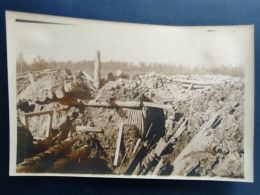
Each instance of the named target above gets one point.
<point>198,143</point>
<point>158,167</point>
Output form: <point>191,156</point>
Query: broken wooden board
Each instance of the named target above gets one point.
<point>161,145</point>
<point>183,164</point>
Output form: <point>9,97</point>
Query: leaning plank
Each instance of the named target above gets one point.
<point>123,160</point>
<point>156,170</point>
<point>136,146</point>
<point>118,142</point>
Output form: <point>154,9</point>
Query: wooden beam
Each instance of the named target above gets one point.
<point>156,105</point>
<point>30,114</point>
<point>113,104</point>
<point>201,83</point>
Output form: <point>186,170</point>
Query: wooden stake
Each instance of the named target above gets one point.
<point>118,143</point>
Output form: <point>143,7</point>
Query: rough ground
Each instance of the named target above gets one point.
<point>205,116</point>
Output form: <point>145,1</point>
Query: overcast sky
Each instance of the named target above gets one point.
<point>190,46</point>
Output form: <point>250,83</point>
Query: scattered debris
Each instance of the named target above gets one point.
<point>151,124</point>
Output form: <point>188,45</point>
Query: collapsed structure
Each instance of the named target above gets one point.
<point>151,124</point>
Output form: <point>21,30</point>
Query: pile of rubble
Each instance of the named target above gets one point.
<point>151,124</point>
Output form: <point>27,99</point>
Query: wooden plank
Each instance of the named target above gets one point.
<point>201,83</point>
<point>114,104</point>
<point>161,145</point>
<point>157,168</point>
<point>156,105</point>
<point>136,146</point>
<point>87,129</point>
<point>118,143</point>
<point>30,114</point>
<point>123,160</point>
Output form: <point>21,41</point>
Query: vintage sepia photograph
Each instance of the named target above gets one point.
<point>92,98</point>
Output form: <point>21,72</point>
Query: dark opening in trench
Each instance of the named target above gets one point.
<point>156,117</point>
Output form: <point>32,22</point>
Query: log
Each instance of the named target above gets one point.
<point>118,142</point>
<point>59,93</point>
<point>50,94</point>
<point>39,162</point>
<point>67,87</point>
<point>61,163</point>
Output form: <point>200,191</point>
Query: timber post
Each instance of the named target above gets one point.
<point>97,70</point>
